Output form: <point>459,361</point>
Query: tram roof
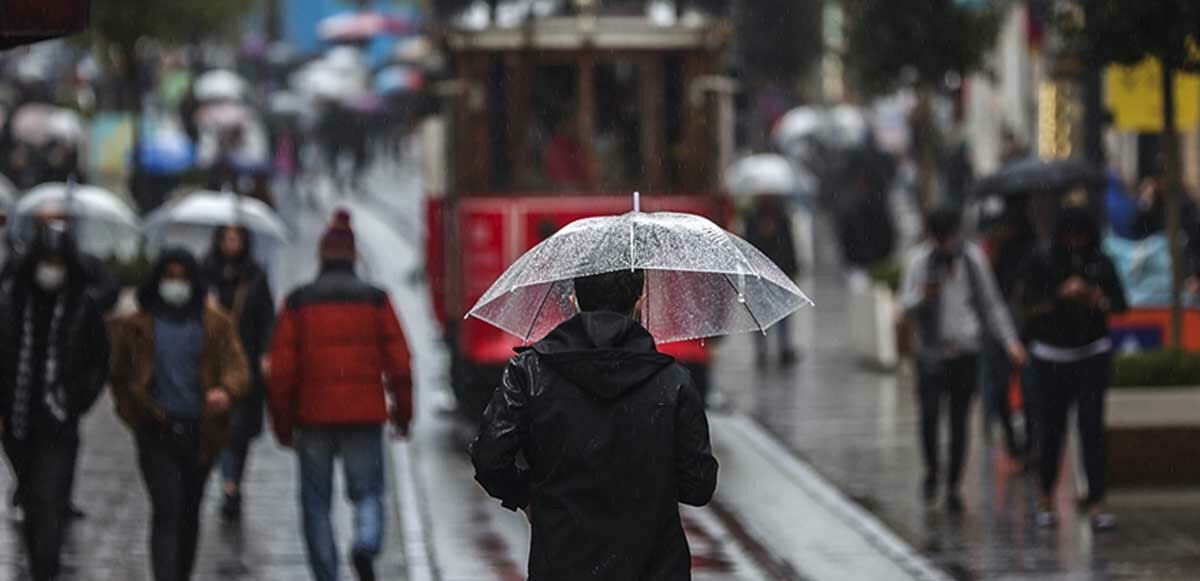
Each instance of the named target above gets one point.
<point>627,33</point>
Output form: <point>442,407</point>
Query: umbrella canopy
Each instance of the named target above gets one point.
<point>761,174</point>
<point>701,281</point>
<point>362,26</point>
<point>797,126</point>
<point>166,153</point>
<point>399,80</point>
<point>220,85</point>
<point>8,193</point>
<point>191,220</point>
<point>1036,176</point>
<point>104,224</point>
<point>30,123</point>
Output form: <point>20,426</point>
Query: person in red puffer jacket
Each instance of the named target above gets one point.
<point>337,353</point>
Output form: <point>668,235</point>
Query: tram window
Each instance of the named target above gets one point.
<point>553,139</point>
<point>618,125</point>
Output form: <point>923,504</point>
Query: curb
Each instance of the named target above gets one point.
<point>420,560</point>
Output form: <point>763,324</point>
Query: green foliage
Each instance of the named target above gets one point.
<point>124,22</point>
<point>891,42</point>
<point>1127,31</point>
<point>1157,369</point>
<point>887,273</point>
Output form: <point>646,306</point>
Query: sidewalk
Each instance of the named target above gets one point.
<point>859,429</point>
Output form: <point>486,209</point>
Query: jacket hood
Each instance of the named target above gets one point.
<point>147,293</point>
<point>604,353</point>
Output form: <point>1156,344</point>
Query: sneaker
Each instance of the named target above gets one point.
<point>1046,519</point>
<point>954,503</point>
<point>1103,521</point>
<point>929,489</point>
<point>231,509</point>
<point>364,565</point>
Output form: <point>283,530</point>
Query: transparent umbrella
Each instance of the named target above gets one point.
<point>190,222</point>
<point>701,281</point>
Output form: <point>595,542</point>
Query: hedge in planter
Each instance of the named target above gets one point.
<point>1156,369</point>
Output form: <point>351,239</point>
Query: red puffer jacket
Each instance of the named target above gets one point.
<point>337,348</point>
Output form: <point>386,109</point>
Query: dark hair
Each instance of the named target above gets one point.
<point>616,291</point>
<point>1077,221</point>
<point>942,223</point>
<point>219,236</point>
<point>147,293</point>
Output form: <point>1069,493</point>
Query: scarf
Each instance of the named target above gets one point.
<point>54,395</point>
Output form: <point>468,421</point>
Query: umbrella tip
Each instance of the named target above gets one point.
<point>637,201</point>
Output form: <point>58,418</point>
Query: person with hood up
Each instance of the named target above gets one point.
<point>1068,292</point>
<point>177,369</point>
<point>613,437</point>
<point>337,354</point>
<point>951,294</point>
<point>240,286</point>
<point>53,366</point>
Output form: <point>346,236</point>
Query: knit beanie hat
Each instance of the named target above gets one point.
<point>337,244</point>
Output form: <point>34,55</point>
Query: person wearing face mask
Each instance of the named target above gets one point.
<point>240,286</point>
<point>1067,292</point>
<point>177,370</point>
<point>337,357</point>
<point>53,365</point>
<point>950,293</point>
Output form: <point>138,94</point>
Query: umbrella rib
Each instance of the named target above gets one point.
<point>745,304</point>
<point>537,315</point>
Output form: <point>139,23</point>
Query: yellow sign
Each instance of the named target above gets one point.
<point>1135,97</point>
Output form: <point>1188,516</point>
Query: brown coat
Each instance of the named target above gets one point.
<point>222,367</point>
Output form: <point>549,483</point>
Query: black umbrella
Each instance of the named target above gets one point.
<point>1037,176</point>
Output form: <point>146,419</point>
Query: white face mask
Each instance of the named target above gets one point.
<point>50,277</point>
<point>175,292</point>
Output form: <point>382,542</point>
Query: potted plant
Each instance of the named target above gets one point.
<point>1152,418</point>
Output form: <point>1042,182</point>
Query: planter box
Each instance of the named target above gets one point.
<point>1152,436</point>
<point>873,327</point>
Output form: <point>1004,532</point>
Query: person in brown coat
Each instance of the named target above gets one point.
<point>177,367</point>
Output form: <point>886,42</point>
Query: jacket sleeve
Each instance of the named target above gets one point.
<point>912,287</point>
<point>695,466</point>
<point>96,358</point>
<point>235,371</point>
<point>121,372</point>
<point>397,363</point>
<point>281,381</point>
<point>995,309</point>
<point>501,435</point>
<point>1112,288</point>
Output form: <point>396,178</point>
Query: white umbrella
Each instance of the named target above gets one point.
<point>64,125</point>
<point>219,85</point>
<point>701,281</point>
<point>847,126</point>
<point>104,224</point>
<point>761,174</point>
<point>29,123</point>
<point>797,126</point>
<point>8,193</point>
<point>190,221</point>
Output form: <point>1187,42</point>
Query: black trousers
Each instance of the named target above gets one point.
<point>1083,384</point>
<point>44,464</point>
<point>951,381</point>
<point>169,457</point>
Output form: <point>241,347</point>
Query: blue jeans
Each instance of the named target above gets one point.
<point>361,451</point>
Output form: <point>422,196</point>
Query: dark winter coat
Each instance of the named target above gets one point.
<point>769,229</point>
<point>615,437</point>
<point>83,338</point>
<point>1059,322</point>
<point>246,296</point>
<point>337,348</point>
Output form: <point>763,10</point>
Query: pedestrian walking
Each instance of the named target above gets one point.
<point>240,286</point>
<point>177,368</point>
<point>1068,292</point>
<point>338,352</point>
<point>613,437</point>
<point>950,293</point>
<point>769,228</point>
<point>53,366</point>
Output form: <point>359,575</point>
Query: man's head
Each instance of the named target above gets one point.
<point>617,292</point>
<point>942,225</point>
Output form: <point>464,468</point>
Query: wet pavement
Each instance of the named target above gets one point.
<point>111,543</point>
<point>859,428</point>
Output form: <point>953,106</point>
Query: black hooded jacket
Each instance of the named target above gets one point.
<point>614,436</point>
<point>1065,323</point>
<point>82,340</point>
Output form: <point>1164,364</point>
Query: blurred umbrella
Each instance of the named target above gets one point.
<point>225,115</point>
<point>30,123</point>
<point>64,125</point>
<point>399,79</point>
<point>1036,176</point>
<point>287,104</point>
<point>104,223</point>
<point>209,210</point>
<point>761,174</point>
<point>329,83</point>
<point>701,281</point>
<point>847,127</point>
<point>796,127</point>
<point>8,192</point>
<point>166,153</point>
<point>220,85</point>
<point>362,26</point>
